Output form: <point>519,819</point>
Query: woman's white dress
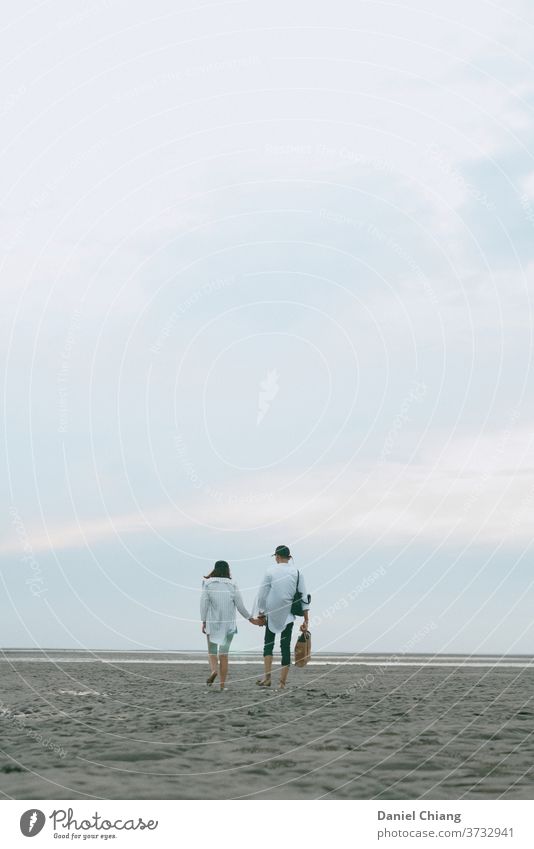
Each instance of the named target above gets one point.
<point>218,602</point>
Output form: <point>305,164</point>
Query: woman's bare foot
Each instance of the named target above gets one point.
<point>211,679</point>
<point>264,682</point>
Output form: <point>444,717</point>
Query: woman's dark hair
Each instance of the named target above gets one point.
<point>220,570</point>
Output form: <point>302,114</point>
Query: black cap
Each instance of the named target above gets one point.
<point>282,551</point>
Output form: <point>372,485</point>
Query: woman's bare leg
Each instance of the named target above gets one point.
<point>213,664</point>
<point>223,662</point>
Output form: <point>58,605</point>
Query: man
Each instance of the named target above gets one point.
<point>274,604</point>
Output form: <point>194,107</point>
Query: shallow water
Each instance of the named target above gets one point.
<point>144,725</point>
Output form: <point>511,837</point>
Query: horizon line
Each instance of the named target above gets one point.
<point>258,651</point>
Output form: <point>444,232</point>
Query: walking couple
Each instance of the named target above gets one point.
<point>221,597</point>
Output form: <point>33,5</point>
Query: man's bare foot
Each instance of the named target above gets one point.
<point>211,679</point>
<point>264,682</point>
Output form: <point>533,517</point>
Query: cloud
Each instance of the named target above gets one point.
<point>478,490</point>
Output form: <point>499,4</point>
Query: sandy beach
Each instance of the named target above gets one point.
<point>117,725</point>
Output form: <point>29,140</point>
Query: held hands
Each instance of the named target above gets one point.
<point>257,620</point>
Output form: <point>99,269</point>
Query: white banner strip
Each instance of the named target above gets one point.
<point>362,824</point>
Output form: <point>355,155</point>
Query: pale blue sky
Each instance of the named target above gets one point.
<point>267,277</point>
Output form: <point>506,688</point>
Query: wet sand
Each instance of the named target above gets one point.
<point>153,730</point>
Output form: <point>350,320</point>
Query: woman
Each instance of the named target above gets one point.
<point>218,601</point>
<point>274,603</point>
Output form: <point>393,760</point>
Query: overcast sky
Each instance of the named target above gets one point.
<point>267,277</point>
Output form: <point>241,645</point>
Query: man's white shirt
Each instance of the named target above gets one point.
<point>276,594</point>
